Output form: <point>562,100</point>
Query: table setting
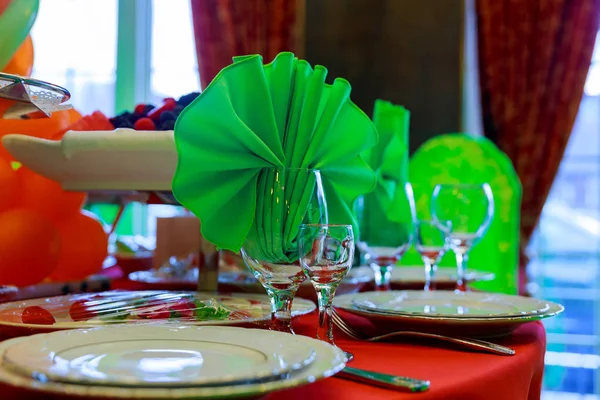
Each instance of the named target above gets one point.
<point>284,170</point>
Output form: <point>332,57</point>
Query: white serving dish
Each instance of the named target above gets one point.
<point>119,160</point>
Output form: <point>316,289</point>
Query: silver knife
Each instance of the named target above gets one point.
<point>383,380</point>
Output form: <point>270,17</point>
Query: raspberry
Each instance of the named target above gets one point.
<point>144,124</point>
<point>139,109</point>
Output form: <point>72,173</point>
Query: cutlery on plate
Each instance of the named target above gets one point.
<point>475,344</point>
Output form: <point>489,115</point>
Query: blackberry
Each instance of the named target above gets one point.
<point>148,108</point>
<point>177,110</point>
<point>167,125</point>
<point>167,116</point>
<point>185,100</point>
<point>123,123</point>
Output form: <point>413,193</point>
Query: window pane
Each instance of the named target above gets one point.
<point>566,250</point>
<point>592,85</point>
<point>75,47</point>
<point>174,66</point>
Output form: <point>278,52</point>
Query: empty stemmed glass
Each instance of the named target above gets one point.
<point>286,198</point>
<point>469,208</point>
<point>386,234</point>
<point>326,255</point>
<point>432,241</point>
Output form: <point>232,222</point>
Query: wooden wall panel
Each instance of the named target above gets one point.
<point>404,51</point>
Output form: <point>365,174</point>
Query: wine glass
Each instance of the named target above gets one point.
<point>326,255</point>
<point>469,208</point>
<point>386,231</point>
<point>432,241</point>
<point>285,199</point>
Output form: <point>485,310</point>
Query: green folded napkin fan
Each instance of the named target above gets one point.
<point>459,158</point>
<point>386,204</point>
<point>253,118</point>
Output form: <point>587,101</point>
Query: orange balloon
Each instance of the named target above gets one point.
<point>39,127</point>
<point>84,246</point>
<point>29,247</point>
<point>21,62</point>
<point>8,185</point>
<point>46,196</point>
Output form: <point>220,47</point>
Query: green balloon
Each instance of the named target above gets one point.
<point>15,23</point>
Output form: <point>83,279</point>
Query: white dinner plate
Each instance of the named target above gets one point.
<point>328,361</point>
<point>74,311</point>
<point>443,275</point>
<point>158,356</point>
<point>450,304</point>
<point>452,320</point>
<point>243,279</point>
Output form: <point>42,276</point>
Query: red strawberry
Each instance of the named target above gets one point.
<point>168,104</point>
<point>183,308</point>
<point>93,122</point>
<point>37,315</point>
<point>80,312</point>
<point>239,315</point>
<point>154,313</point>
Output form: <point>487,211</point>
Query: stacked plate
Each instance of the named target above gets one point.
<point>358,278</point>
<point>163,362</point>
<point>447,312</point>
<point>413,277</point>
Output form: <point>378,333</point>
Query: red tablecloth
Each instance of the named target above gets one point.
<point>454,373</point>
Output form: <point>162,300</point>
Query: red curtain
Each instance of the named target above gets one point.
<point>227,28</point>
<point>534,57</point>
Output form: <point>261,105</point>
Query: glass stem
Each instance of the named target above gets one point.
<point>281,309</point>
<point>428,274</point>
<point>325,295</point>
<point>461,266</point>
<point>383,276</point>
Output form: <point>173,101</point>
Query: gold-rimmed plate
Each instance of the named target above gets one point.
<point>447,312</point>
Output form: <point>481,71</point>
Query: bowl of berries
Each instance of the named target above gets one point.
<point>137,154</point>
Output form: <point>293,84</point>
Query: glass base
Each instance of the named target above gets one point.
<point>281,281</point>
<point>281,308</point>
<point>383,277</point>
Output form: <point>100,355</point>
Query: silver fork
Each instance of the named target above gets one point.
<point>474,344</point>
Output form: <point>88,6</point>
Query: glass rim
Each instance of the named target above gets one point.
<point>325,226</point>
<point>462,185</point>
<point>433,221</point>
<point>291,169</point>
